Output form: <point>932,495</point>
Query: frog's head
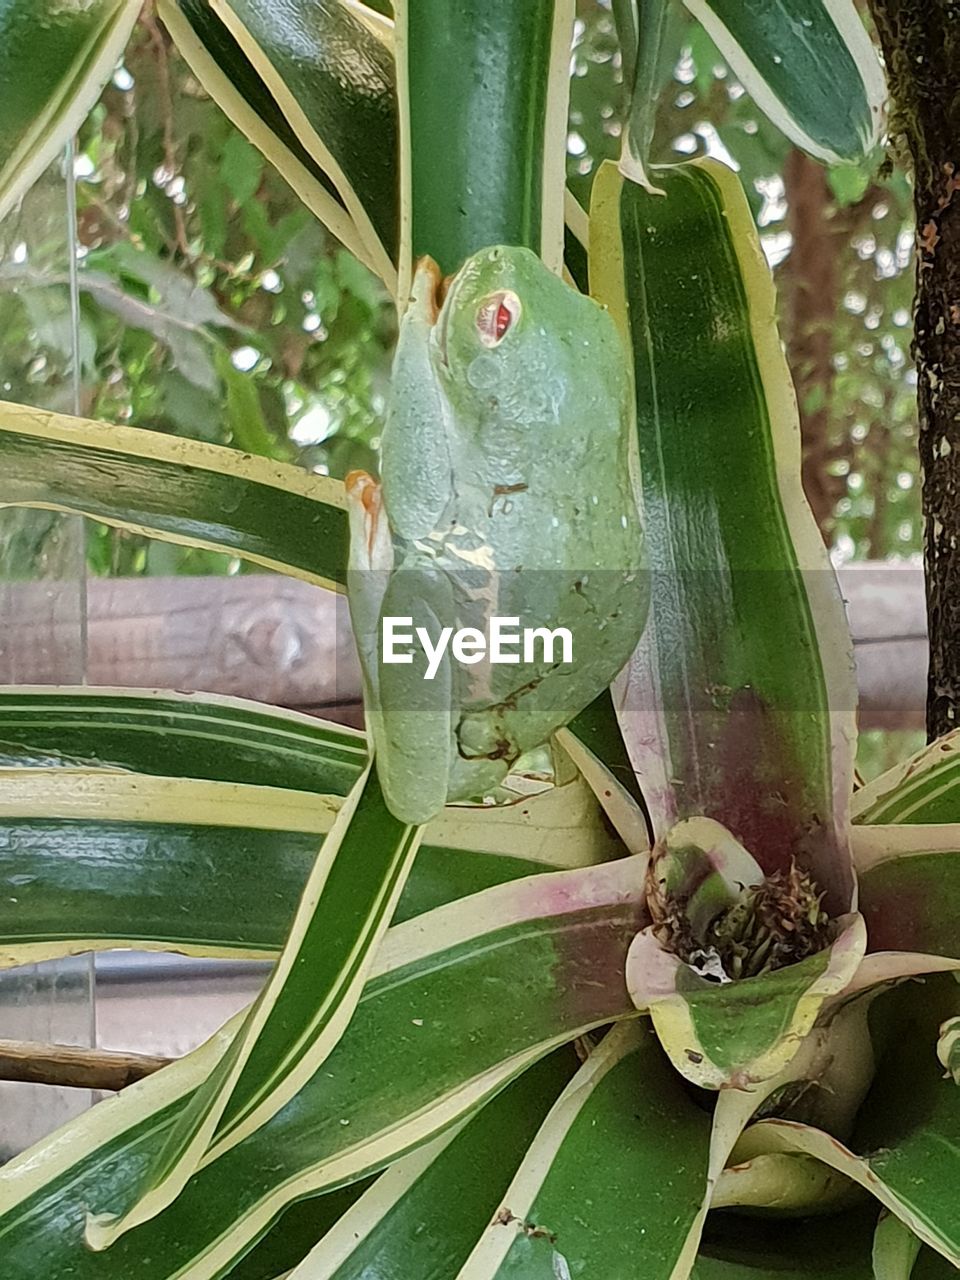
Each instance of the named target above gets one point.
<point>505,317</point>
<point>503,302</point>
<point>508,341</point>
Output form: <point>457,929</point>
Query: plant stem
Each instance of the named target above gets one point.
<point>625,20</point>
<point>70,1067</point>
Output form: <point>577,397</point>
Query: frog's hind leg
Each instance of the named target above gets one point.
<point>498,736</point>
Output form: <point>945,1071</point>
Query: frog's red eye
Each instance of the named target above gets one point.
<point>495,315</point>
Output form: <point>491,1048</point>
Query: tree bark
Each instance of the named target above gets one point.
<point>921,45</point>
<point>813,295</point>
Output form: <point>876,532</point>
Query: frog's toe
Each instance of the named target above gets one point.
<point>475,779</point>
<point>481,738</point>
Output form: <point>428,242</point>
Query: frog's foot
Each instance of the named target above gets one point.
<point>482,736</point>
<point>370,543</point>
<point>475,780</point>
<point>482,759</point>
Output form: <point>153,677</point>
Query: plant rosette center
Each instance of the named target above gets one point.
<point>735,965</point>
<point>752,928</point>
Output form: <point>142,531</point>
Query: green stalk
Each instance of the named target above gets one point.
<point>483,88</point>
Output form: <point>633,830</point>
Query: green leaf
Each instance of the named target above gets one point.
<point>333,82</point>
<point>910,887</point>
<point>652,19</point>
<point>54,60</point>
<point>836,1247</point>
<point>895,1249</point>
<point>175,318</point>
<point>378,16</point>
<point>833,1066</point>
<point>186,302</point>
<point>922,789</point>
<point>94,858</point>
<point>785,1184</point>
<point>296,1231</point>
<point>244,412</point>
<point>51,323</point>
<point>66,897</point>
<point>182,491</point>
<point>598,728</point>
<point>948,1048</point>
<point>627,815</point>
<point>905,1149</point>
<point>302,1011</point>
<point>748,1030</point>
<point>502,176</point>
<point>424,1215</point>
<point>594,1195</point>
<point>241,168</point>
<point>850,183</point>
<point>235,84</point>
<point>576,242</point>
<point>810,67</point>
<point>421,1054</point>
<point>740,702</point>
<point>88,885</point>
<point>177,734</point>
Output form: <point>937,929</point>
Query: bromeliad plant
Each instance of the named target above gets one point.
<point>647,1020</point>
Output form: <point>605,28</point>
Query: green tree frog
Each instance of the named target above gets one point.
<point>508,489</point>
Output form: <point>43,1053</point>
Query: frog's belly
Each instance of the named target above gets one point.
<point>601,617</point>
<point>554,577</point>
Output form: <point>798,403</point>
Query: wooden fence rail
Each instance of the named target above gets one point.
<point>287,643</point>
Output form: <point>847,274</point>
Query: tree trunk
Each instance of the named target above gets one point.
<point>921,45</point>
<point>812,296</point>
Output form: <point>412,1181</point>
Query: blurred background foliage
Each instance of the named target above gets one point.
<point>212,305</point>
<point>841,245</point>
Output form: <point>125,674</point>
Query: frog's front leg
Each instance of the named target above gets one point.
<point>418,704</point>
<point>409,717</point>
<point>415,457</point>
<point>368,570</point>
